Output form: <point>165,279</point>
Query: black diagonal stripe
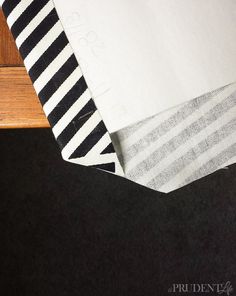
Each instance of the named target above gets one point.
<point>76,123</point>
<point>90,141</point>
<point>31,11</point>
<point>41,30</point>
<point>109,167</point>
<point>48,56</point>
<point>61,75</point>
<point>70,98</point>
<point>108,149</point>
<point>8,6</point>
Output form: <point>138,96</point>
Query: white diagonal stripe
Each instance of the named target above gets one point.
<point>34,23</point>
<point>43,45</point>
<point>55,65</point>
<point>81,135</point>
<point>98,159</point>
<point>95,159</point>
<point>100,146</point>
<point>17,11</point>
<point>62,91</point>
<point>71,113</point>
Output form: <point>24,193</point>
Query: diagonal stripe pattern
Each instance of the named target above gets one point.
<point>183,144</point>
<point>60,85</point>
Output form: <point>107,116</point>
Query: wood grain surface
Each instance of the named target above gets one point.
<point>19,104</point>
<point>9,55</point>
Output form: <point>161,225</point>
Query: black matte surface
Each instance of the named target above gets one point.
<point>70,230</point>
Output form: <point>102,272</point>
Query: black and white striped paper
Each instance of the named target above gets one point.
<point>164,152</point>
<point>60,85</point>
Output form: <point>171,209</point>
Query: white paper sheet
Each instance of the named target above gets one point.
<point>141,57</point>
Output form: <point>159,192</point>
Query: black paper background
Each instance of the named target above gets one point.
<point>70,230</point>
